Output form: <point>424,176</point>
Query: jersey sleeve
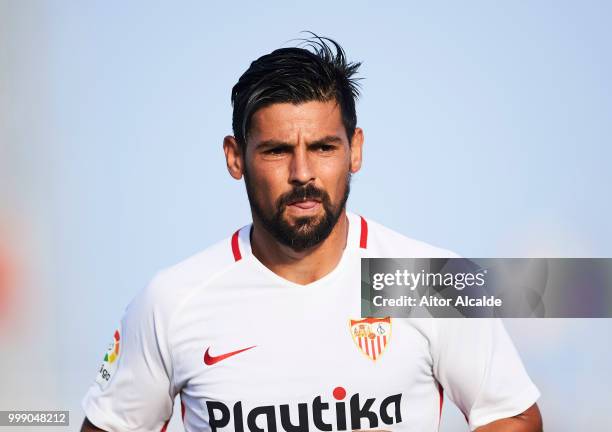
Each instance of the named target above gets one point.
<point>480,370</point>
<point>133,389</point>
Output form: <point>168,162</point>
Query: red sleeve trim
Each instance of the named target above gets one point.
<point>236,246</point>
<point>165,426</point>
<point>363,239</point>
<point>441,393</point>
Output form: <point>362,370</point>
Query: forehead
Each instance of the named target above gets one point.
<point>289,122</point>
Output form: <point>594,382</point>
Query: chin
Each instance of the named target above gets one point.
<point>302,221</point>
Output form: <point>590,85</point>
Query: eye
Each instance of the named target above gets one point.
<point>324,148</point>
<point>275,151</point>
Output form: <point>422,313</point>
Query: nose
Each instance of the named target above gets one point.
<point>300,171</point>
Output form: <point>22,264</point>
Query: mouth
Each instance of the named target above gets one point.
<point>305,204</point>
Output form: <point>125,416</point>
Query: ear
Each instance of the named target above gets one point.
<point>233,157</point>
<point>356,150</point>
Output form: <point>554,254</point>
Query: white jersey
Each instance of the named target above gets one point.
<point>248,350</point>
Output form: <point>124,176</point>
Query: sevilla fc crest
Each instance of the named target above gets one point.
<point>371,335</point>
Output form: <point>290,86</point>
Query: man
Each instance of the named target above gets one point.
<point>262,331</point>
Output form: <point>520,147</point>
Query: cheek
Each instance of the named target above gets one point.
<point>268,185</point>
<point>334,178</point>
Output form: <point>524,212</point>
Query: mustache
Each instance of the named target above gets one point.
<point>302,193</point>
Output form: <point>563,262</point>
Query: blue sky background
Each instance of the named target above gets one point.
<point>487,131</point>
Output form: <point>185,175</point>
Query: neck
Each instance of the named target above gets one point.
<point>305,266</point>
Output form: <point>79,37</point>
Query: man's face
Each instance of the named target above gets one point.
<point>297,168</point>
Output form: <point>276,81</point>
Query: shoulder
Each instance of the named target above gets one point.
<point>199,267</point>
<point>170,285</point>
<point>385,242</point>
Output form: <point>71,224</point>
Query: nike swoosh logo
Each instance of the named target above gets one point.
<point>211,360</point>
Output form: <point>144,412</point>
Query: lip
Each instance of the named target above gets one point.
<point>303,207</point>
<point>305,204</point>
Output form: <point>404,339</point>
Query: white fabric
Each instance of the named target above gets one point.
<point>302,355</point>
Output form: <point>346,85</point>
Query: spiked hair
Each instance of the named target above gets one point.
<point>318,71</point>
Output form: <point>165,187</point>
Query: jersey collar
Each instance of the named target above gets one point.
<point>356,240</point>
<point>357,236</point>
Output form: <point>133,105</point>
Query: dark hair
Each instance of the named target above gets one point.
<point>297,75</point>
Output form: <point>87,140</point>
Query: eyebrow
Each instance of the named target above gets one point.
<point>329,139</point>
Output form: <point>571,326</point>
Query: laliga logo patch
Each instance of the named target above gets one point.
<point>371,335</point>
<point>109,364</point>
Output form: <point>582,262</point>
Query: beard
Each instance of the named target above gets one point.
<point>307,231</point>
